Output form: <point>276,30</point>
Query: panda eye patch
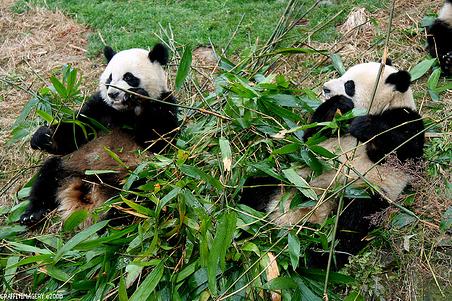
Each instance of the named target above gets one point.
<point>108,80</point>
<point>350,88</point>
<point>131,80</point>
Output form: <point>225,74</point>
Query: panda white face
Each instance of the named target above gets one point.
<point>445,14</point>
<point>132,69</point>
<point>358,84</point>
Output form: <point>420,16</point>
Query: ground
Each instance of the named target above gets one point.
<point>34,44</point>
<point>38,42</point>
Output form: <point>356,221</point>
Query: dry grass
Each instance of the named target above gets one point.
<point>34,44</point>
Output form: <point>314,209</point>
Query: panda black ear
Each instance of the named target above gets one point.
<point>109,53</point>
<point>388,62</point>
<point>401,80</point>
<point>160,54</point>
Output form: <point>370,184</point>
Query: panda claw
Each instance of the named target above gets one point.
<point>446,63</point>
<point>42,138</point>
<point>32,218</point>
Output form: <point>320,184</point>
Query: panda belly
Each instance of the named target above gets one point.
<point>389,180</point>
<point>79,191</point>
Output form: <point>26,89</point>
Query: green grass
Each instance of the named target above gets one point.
<point>196,22</point>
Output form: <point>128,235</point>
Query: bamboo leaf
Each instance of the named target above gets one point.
<point>184,67</point>
<point>59,87</point>
<point>45,116</point>
<point>29,249</point>
<point>138,208</point>
<point>281,283</point>
<point>31,104</point>
<point>221,242</point>
<point>286,149</point>
<point>75,219</point>
<point>337,63</point>
<point>99,172</point>
<point>294,250</point>
<point>57,273</point>
<point>115,157</point>
<point>300,183</point>
<point>78,238</point>
<point>10,270</point>
<point>7,231</point>
<point>173,193</point>
<point>321,151</point>
<point>402,219</point>
<point>311,161</point>
<point>226,153</point>
<point>135,175</point>
<point>122,290</point>
<point>148,285</point>
<point>133,270</point>
<point>44,258</point>
<point>433,79</point>
<point>186,271</point>
<point>195,172</point>
<point>421,68</point>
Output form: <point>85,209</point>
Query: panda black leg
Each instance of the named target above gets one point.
<point>258,192</point>
<point>43,192</point>
<point>354,225</point>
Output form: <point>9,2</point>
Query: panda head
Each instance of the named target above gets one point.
<point>358,84</point>
<point>133,69</point>
<point>445,14</point>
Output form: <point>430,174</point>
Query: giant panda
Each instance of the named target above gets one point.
<point>116,125</point>
<point>366,142</point>
<point>439,38</point>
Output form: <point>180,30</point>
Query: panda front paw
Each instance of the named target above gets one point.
<point>361,127</point>
<point>447,63</point>
<point>42,139</point>
<point>33,216</point>
<point>135,99</point>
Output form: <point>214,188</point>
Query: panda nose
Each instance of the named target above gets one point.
<point>113,95</point>
<point>326,90</point>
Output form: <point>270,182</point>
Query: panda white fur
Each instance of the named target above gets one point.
<point>439,38</point>
<point>134,124</point>
<point>393,105</point>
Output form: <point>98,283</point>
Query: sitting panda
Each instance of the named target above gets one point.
<point>134,124</point>
<point>391,120</point>
<point>439,38</point>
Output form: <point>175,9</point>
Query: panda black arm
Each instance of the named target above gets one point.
<point>368,126</point>
<point>156,123</point>
<point>63,138</point>
<point>440,44</point>
<point>326,112</point>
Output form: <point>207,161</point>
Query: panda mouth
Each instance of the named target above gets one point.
<point>125,101</point>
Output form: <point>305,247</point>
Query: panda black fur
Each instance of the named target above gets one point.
<point>439,38</point>
<point>134,124</point>
<point>393,105</point>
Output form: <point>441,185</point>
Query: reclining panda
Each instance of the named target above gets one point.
<point>392,125</point>
<point>135,124</point>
